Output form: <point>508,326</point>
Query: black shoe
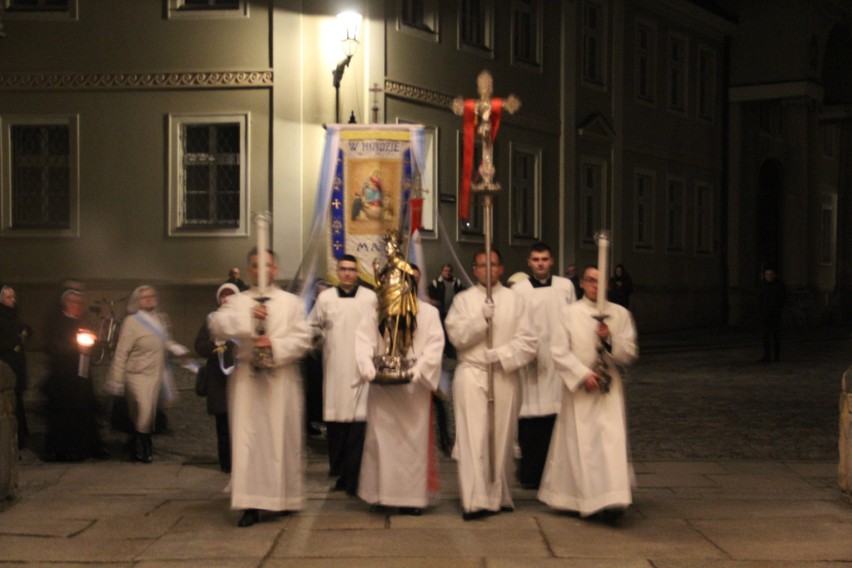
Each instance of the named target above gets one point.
<point>379,509</point>
<point>101,453</point>
<point>339,485</point>
<point>412,511</point>
<point>507,509</point>
<point>611,515</point>
<point>473,515</point>
<point>147,453</point>
<point>250,517</point>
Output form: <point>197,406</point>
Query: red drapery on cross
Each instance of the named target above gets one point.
<point>470,120</point>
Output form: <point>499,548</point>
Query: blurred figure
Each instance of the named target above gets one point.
<point>311,366</point>
<point>14,335</point>
<point>571,274</point>
<point>140,369</point>
<point>773,296</point>
<point>221,361</point>
<point>72,410</point>
<point>443,289</point>
<point>234,278</point>
<point>620,287</point>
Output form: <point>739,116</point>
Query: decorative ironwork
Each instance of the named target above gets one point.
<point>132,80</point>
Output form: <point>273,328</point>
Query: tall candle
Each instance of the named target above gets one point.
<point>603,271</point>
<point>262,223</point>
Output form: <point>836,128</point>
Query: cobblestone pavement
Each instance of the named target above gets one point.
<point>692,396</point>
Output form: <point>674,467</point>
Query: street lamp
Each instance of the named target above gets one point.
<point>348,24</point>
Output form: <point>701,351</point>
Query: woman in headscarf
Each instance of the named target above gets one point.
<point>140,367</point>
<point>73,430</point>
<point>220,364</point>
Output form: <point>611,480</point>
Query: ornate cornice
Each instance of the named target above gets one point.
<point>133,80</point>
<point>426,96</point>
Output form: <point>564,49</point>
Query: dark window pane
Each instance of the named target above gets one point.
<point>197,139</point>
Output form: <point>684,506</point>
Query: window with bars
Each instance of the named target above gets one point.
<point>643,211</point>
<point>37,5</point>
<point>704,218</point>
<point>645,62</point>
<point>419,14</point>
<point>526,31</point>
<point>675,210</point>
<point>208,188</point>
<point>592,186</point>
<point>525,191</point>
<point>593,42</point>
<point>209,4</point>
<point>475,23</point>
<point>677,73</point>
<point>706,84</point>
<point>40,176</point>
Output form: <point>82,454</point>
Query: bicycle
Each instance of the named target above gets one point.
<point>108,328</point>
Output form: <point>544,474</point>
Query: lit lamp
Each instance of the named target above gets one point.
<point>348,23</point>
<point>85,340</point>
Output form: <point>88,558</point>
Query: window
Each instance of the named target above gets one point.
<point>37,5</point>
<point>591,192</point>
<point>208,185</point>
<point>526,32</point>
<point>41,188</point>
<point>706,84</point>
<point>419,14</point>
<point>675,211</point>
<point>525,194</point>
<point>645,62</point>
<point>38,9</point>
<point>475,23</point>
<point>207,8</point>
<point>703,218</point>
<point>829,137</point>
<point>593,43</point>
<point>643,211</point>
<point>827,222</point>
<point>678,57</point>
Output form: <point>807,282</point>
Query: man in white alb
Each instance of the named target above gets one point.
<point>587,468</point>
<point>514,345</point>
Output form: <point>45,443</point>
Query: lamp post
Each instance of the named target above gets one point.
<point>348,23</point>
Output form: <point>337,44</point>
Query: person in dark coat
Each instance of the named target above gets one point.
<point>73,429</point>
<point>620,287</point>
<point>14,335</point>
<point>220,364</point>
<point>773,296</point>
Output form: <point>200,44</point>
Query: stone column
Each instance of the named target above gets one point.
<point>8,433</point>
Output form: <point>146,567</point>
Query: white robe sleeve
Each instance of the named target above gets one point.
<point>625,350</point>
<point>569,367</point>
<point>523,347</point>
<point>466,326</point>
<point>233,319</point>
<point>367,343</point>
<point>295,341</point>
<point>427,369</point>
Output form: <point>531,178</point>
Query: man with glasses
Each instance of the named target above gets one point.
<point>336,316</point>
<point>513,345</point>
<point>587,468</point>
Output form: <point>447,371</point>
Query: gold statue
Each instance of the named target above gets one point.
<point>397,293</point>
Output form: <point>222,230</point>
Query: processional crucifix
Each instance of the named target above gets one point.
<point>482,119</point>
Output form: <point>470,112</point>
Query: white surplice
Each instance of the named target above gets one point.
<point>265,408</point>
<point>515,341</point>
<point>587,466</point>
<point>541,388</point>
<point>337,320</point>
<point>394,467</point>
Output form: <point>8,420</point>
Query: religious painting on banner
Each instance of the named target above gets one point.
<point>370,194</point>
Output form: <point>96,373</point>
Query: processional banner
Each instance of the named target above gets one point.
<point>366,188</point>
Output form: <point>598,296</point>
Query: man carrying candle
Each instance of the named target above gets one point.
<point>265,404</point>
<point>587,468</point>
